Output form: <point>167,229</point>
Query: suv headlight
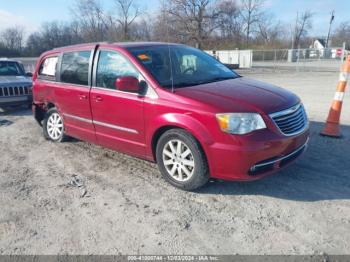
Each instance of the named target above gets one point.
<point>240,123</point>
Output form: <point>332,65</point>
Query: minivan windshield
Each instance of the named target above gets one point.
<point>181,66</point>
<point>10,68</point>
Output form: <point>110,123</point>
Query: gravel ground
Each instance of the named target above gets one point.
<point>78,198</point>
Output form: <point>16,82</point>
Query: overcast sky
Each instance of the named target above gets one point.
<point>31,14</point>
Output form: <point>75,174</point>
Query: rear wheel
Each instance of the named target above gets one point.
<point>53,126</point>
<point>181,160</point>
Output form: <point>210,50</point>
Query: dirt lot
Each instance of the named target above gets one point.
<point>127,207</point>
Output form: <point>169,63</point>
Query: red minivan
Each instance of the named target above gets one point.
<point>171,104</point>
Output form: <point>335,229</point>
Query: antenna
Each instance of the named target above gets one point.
<point>171,70</point>
<point>169,52</point>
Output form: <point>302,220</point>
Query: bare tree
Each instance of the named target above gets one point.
<point>51,35</point>
<point>90,17</point>
<point>270,32</point>
<point>13,38</point>
<point>141,30</point>
<point>251,11</point>
<point>128,12</point>
<point>302,26</point>
<point>164,27</point>
<point>229,20</point>
<point>195,19</point>
<point>203,23</point>
<point>341,35</point>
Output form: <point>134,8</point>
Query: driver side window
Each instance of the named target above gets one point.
<point>112,65</point>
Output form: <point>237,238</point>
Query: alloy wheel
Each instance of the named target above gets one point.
<point>55,126</point>
<point>178,160</point>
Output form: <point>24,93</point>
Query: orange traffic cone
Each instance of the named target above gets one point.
<point>332,127</point>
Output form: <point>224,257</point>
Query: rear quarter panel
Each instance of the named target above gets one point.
<point>43,90</point>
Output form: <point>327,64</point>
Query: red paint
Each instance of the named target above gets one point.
<point>192,108</point>
<point>119,109</point>
<point>127,84</point>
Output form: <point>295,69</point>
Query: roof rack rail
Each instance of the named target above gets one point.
<point>82,44</point>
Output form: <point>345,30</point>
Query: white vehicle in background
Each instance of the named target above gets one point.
<point>15,84</point>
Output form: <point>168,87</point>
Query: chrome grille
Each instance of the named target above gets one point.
<point>15,91</point>
<point>291,121</point>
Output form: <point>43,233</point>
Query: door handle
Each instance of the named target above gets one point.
<point>83,97</point>
<point>98,99</point>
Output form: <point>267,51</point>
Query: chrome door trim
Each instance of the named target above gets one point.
<point>78,118</point>
<point>129,130</point>
<point>120,128</point>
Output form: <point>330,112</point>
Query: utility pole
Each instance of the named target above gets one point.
<point>330,26</point>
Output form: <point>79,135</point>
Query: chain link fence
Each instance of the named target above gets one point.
<point>300,59</point>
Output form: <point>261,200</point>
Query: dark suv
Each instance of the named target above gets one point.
<point>15,84</point>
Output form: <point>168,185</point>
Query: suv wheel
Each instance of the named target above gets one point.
<point>53,126</point>
<point>181,160</point>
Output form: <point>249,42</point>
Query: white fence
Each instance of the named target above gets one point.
<point>243,58</point>
<point>288,59</point>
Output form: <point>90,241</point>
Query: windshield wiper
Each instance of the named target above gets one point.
<point>186,84</point>
<point>217,79</point>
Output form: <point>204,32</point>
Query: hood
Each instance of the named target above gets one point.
<point>15,80</point>
<point>241,95</point>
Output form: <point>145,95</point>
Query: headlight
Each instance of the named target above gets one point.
<point>240,123</point>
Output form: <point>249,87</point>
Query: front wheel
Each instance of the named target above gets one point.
<point>181,160</point>
<point>53,126</point>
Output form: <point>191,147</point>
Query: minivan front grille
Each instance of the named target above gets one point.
<point>15,91</point>
<point>291,121</point>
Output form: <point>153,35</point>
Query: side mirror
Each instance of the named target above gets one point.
<point>127,84</point>
<point>29,74</point>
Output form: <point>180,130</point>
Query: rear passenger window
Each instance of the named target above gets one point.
<point>48,68</point>
<point>75,68</point>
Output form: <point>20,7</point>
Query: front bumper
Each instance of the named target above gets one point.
<point>256,155</point>
<point>277,162</point>
<point>15,100</point>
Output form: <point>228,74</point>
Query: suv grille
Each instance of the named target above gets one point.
<point>15,91</point>
<point>291,121</point>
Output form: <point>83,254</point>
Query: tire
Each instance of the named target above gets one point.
<point>187,170</point>
<point>53,120</point>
